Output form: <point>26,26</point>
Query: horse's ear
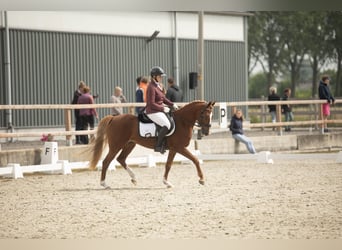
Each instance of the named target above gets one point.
<point>211,103</point>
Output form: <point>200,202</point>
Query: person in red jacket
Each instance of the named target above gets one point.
<point>155,108</point>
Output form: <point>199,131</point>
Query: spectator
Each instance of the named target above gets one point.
<point>87,114</point>
<point>173,93</point>
<point>272,108</point>
<point>140,93</point>
<point>78,123</point>
<point>287,109</point>
<point>118,97</point>
<point>237,131</point>
<point>325,94</point>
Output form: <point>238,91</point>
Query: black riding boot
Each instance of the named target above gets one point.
<point>160,147</point>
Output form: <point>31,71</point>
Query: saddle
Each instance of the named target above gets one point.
<point>147,128</point>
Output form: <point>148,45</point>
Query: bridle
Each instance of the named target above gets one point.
<point>199,122</point>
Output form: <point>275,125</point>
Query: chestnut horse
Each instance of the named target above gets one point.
<point>121,133</point>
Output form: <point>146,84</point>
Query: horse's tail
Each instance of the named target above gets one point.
<point>99,143</point>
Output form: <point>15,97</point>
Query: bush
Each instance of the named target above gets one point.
<point>256,85</point>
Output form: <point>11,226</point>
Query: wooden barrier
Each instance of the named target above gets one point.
<point>233,105</point>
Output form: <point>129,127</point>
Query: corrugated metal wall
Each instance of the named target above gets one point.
<point>47,66</point>
<point>2,79</point>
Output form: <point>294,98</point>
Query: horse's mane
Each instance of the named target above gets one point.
<point>191,104</point>
<point>188,109</point>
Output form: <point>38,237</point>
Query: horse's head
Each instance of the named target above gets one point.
<point>204,119</point>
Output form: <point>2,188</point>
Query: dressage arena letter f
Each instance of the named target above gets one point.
<point>47,150</point>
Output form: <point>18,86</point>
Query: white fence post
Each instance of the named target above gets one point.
<point>16,170</point>
<point>66,169</point>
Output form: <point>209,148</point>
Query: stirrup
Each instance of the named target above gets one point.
<point>160,149</point>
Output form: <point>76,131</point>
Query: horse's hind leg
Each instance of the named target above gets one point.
<point>105,164</point>
<point>126,150</point>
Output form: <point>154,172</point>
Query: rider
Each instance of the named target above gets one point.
<point>155,109</point>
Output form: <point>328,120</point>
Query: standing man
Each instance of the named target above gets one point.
<point>140,93</point>
<point>325,94</point>
<point>173,93</point>
<point>272,108</point>
<point>78,123</point>
<point>287,109</point>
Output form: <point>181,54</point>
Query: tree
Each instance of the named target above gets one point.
<point>293,27</point>
<point>254,40</point>
<point>256,86</point>
<point>319,48</point>
<point>280,41</point>
<point>334,19</point>
<point>265,46</point>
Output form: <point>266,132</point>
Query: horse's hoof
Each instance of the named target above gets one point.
<point>134,181</point>
<point>103,184</point>
<point>201,182</point>
<point>168,184</point>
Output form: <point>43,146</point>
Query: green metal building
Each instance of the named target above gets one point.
<point>50,52</point>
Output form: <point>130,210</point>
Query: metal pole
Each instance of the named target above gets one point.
<point>8,76</point>
<point>200,51</point>
<point>245,33</point>
<point>200,66</point>
<point>176,67</point>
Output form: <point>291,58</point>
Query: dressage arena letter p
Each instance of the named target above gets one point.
<point>223,115</point>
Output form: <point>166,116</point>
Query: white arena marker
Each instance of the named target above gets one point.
<point>150,161</point>
<point>66,169</point>
<point>339,157</point>
<point>264,157</point>
<point>16,172</point>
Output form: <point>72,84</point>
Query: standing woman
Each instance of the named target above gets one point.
<point>272,108</point>
<point>155,109</point>
<point>87,114</point>
<point>118,97</point>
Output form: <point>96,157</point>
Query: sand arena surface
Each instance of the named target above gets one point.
<point>242,199</point>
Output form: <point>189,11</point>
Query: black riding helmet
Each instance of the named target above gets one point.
<point>157,71</point>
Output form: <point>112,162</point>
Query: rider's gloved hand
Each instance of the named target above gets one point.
<point>175,107</point>
<point>166,109</point>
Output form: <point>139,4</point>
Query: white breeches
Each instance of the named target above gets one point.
<point>160,118</point>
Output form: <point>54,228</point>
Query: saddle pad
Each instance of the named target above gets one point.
<point>150,130</point>
<point>147,129</point>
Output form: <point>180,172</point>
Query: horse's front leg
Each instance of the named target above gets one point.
<point>185,152</point>
<point>168,164</point>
